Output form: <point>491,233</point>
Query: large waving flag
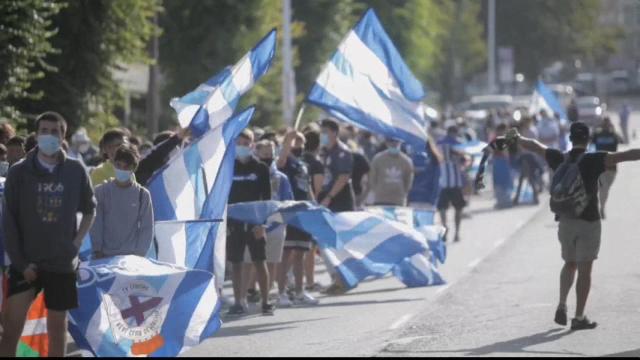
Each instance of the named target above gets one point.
<point>132,306</point>
<point>356,244</point>
<point>186,243</point>
<point>180,189</point>
<point>368,84</point>
<point>544,99</point>
<point>419,269</point>
<point>213,102</point>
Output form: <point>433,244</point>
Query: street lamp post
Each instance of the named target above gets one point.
<point>491,42</point>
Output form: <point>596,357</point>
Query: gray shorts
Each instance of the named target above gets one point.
<point>579,239</point>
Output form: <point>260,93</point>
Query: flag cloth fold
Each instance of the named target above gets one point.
<point>180,190</point>
<point>212,103</point>
<point>368,84</point>
<point>356,244</point>
<point>133,306</point>
<point>420,269</point>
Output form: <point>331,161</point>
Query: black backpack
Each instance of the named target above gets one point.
<point>569,196</point>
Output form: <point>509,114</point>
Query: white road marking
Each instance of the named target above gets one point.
<point>499,242</point>
<point>400,321</point>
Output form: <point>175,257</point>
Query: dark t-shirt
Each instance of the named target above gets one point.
<point>251,182</point>
<point>314,165</point>
<point>591,167</point>
<point>360,169</point>
<point>298,175</point>
<point>338,161</point>
<point>606,141</point>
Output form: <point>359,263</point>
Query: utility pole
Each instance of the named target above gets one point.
<point>153,92</point>
<point>491,51</point>
<point>288,75</point>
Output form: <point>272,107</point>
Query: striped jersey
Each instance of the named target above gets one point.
<point>451,167</point>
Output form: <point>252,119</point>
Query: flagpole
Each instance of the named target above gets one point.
<point>300,112</point>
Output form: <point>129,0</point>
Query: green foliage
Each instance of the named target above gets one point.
<point>93,38</point>
<point>25,30</point>
<point>544,31</point>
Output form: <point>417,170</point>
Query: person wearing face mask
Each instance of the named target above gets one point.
<point>391,176</point>
<point>124,216</point>
<point>81,147</point>
<point>43,195</point>
<point>297,242</point>
<point>280,191</point>
<point>337,191</point>
<point>251,182</point>
<point>110,142</point>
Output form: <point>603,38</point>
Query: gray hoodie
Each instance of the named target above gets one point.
<point>40,212</point>
<point>124,220</point>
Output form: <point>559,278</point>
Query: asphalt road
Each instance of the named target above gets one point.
<point>506,306</point>
<point>499,301</point>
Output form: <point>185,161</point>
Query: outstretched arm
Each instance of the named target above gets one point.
<point>617,157</point>
<point>526,143</point>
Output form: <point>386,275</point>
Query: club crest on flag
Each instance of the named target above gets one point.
<point>134,315</point>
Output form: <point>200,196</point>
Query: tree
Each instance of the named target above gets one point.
<point>93,38</point>
<point>25,32</point>
<point>201,38</point>
<point>544,31</point>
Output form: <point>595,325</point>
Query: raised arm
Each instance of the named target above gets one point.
<point>621,156</point>
<point>526,143</point>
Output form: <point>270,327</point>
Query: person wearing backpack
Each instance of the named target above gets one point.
<point>574,200</point>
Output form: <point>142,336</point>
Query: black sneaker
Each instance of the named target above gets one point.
<point>561,316</point>
<point>268,309</point>
<point>236,310</point>
<point>583,324</point>
<point>253,296</point>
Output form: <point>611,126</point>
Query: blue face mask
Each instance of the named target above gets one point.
<point>324,139</point>
<point>394,150</point>
<point>243,152</point>
<point>48,144</point>
<point>123,176</point>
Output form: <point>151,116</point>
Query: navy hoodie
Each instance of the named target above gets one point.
<point>40,212</point>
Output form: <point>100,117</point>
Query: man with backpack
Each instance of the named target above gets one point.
<point>574,200</point>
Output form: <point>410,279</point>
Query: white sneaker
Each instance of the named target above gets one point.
<point>306,299</point>
<point>284,301</point>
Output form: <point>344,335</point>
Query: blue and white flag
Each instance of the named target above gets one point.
<point>544,99</point>
<point>421,220</point>
<point>133,306</point>
<point>186,243</point>
<point>180,190</point>
<point>356,244</point>
<point>368,84</point>
<point>213,102</point>
<point>418,271</point>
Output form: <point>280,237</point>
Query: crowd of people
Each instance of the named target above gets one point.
<point>327,162</point>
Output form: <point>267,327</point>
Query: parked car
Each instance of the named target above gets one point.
<point>480,105</point>
<point>590,110</point>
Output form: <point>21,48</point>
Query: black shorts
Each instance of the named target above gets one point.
<point>240,236</point>
<point>451,196</point>
<point>60,289</point>
<point>297,239</point>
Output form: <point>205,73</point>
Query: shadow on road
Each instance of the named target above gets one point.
<point>517,345</point>
<point>368,302</point>
<point>242,330</point>
<point>632,353</point>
